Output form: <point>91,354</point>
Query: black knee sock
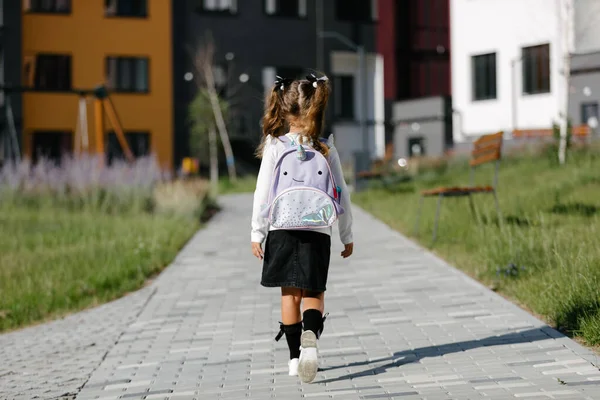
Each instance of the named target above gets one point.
<point>292,336</point>
<point>313,321</point>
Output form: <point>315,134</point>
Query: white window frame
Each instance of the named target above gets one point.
<point>375,10</point>
<point>302,8</point>
<point>111,9</point>
<point>220,5</point>
<point>271,7</point>
<point>338,99</point>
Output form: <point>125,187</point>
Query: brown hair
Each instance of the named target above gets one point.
<point>299,102</point>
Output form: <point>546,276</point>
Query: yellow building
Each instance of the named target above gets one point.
<point>80,44</point>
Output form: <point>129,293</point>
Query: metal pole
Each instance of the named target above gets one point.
<point>12,128</point>
<point>99,127</point>
<point>77,148</point>
<point>362,70</point>
<point>416,230</point>
<point>437,217</point>
<point>460,123</point>
<point>84,123</point>
<point>81,132</point>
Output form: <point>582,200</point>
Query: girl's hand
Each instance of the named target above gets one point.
<point>257,250</point>
<point>348,249</point>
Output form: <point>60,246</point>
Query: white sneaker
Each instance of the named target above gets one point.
<point>293,366</point>
<point>309,361</point>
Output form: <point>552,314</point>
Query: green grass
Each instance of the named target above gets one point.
<point>54,261</point>
<point>74,236</point>
<point>245,184</point>
<point>549,232</point>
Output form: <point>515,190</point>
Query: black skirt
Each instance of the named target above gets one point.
<point>298,259</point>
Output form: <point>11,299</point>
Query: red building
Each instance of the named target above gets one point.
<point>414,38</point>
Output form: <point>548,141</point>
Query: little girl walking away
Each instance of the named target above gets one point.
<point>300,193</point>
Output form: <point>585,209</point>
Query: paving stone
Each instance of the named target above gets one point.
<point>403,325</point>
<point>73,346</point>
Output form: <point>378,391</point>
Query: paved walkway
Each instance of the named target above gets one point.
<point>403,325</point>
<point>54,360</point>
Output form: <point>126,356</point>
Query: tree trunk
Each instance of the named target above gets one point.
<point>214,160</point>
<point>214,101</point>
<point>564,122</point>
<point>566,19</point>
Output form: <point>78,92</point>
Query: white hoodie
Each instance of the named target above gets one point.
<point>273,148</point>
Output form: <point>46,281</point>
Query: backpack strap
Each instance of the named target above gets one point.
<point>287,140</point>
<point>328,141</point>
<point>284,139</point>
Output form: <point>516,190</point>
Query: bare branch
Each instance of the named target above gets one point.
<point>203,60</point>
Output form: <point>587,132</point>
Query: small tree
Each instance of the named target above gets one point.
<point>203,60</point>
<point>203,136</point>
<point>552,149</point>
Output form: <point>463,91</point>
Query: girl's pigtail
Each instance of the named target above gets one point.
<point>315,113</point>
<point>273,122</point>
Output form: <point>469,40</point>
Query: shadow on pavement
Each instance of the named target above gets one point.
<point>401,358</point>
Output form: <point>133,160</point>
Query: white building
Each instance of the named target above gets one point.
<point>507,62</point>
<point>584,93</point>
<point>348,134</point>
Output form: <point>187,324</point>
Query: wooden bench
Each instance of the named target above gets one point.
<point>578,131</point>
<point>485,149</point>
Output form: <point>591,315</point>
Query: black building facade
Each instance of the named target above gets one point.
<point>10,69</point>
<point>258,39</point>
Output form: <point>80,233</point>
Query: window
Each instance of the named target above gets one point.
<point>139,144</point>
<point>126,8</point>
<point>47,6</point>
<point>536,69</point>
<point>51,145</point>
<point>218,6</point>
<point>127,74</point>
<point>356,10</point>
<point>588,111</point>
<point>52,72</point>
<point>416,146</point>
<point>286,8</point>
<point>484,76</point>
<point>344,97</point>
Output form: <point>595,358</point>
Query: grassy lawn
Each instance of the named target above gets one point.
<point>53,261</point>
<point>543,254</point>
<point>75,236</point>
